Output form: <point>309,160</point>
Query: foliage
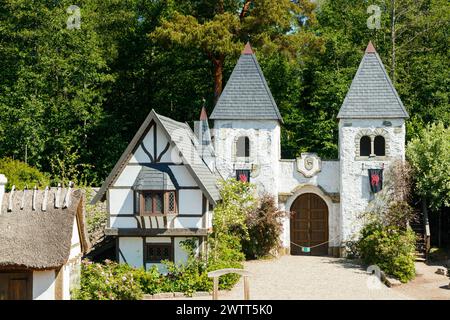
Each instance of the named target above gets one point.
<point>429,155</point>
<point>265,226</point>
<point>219,29</point>
<point>22,175</point>
<point>109,281</point>
<point>96,217</point>
<point>390,248</point>
<point>229,228</point>
<point>230,214</point>
<point>74,98</point>
<point>386,240</point>
<point>113,281</point>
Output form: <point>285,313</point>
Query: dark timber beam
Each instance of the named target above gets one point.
<point>134,232</point>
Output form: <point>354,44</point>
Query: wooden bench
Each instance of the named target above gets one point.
<point>217,273</point>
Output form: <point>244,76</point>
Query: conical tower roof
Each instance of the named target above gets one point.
<point>246,95</point>
<point>372,94</point>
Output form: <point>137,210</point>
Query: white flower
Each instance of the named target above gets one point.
<point>124,278</point>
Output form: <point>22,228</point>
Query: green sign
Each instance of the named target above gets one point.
<point>306,249</point>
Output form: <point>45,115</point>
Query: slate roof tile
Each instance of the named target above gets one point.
<point>246,95</point>
<point>372,94</point>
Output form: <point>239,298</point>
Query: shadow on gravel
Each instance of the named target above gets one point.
<point>349,264</point>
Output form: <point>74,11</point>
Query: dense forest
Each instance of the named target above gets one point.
<point>73,95</point>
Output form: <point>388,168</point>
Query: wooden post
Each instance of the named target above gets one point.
<point>216,288</point>
<point>246,289</point>
<point>217,273</point>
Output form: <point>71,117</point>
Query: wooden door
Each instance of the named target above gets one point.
<point>16,286</point>
<point>309,225</point>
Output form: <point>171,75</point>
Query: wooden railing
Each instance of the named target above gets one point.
<point>218,273</point>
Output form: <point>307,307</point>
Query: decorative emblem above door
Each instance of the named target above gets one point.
<point>309,164</point>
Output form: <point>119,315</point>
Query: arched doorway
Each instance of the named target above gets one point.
<point>309,224</point>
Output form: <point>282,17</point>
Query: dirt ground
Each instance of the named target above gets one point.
<point>325,278</point>
<point>427,285</point>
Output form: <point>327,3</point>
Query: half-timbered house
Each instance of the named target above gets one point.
<point>160,193</point>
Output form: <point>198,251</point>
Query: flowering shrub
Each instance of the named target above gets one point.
<point>114,281</point>
<point>109,281</point>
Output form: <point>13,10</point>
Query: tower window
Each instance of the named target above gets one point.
<point>243,147</point>
<point>379,146</point>
<point>364,146</point>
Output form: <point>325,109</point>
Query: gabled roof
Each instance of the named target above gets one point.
<point>246,95</point>
<point>372,94</point>
<point>177,133</point>
<point>36,238</point>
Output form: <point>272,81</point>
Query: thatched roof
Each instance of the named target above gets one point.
<point>39,237</point>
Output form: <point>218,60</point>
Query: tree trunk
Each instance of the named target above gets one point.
<point>393,40</point>
<point>439,229</point>
<point>218,77</point>
<point>426,226</point>
<point>245,9</point>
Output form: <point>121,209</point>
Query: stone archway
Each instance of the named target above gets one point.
<point>309,225</point>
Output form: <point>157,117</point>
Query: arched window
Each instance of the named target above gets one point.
<point>243,147</point>
<point>379,144</point>
<point>364,146</point>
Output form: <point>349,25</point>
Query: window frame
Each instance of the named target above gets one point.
<point>247,148</point>
<point>370,146</point>
<point>372,134</point>
<point>165,202</point>
<point>375,147</point>
<point>161,245</point>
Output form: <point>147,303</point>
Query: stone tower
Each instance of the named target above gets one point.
<point>247,127</point>
<point>371,136</point>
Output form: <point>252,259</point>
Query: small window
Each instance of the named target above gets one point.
<point>364,146</point>
<point>156,252</point>
<point>171,202</point>
<point>157,202</point>
<point>380,146</point>
<point>243,147</point>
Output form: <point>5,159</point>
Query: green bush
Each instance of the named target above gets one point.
<point>265,226</point>
<point>109,281</point>
<point>390,248</point>
<point>21,175</point>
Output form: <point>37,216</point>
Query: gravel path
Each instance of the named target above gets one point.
<point>306,277</point>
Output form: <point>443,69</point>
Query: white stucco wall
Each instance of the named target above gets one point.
<point>44,285</point>
<point>265,150</point>
<point>190,202</point>
<point>131,249</point>
<point>290,178</point>
<point>75,249</point>
<point>354,180</point>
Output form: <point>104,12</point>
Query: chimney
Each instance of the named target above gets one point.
<point>3,182</point>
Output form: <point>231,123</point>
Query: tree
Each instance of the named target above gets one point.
<point>230,214</point>
<point>21,175</point>
<point>53,82</point>
<point>429,155</point>
<point>220,28</point>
